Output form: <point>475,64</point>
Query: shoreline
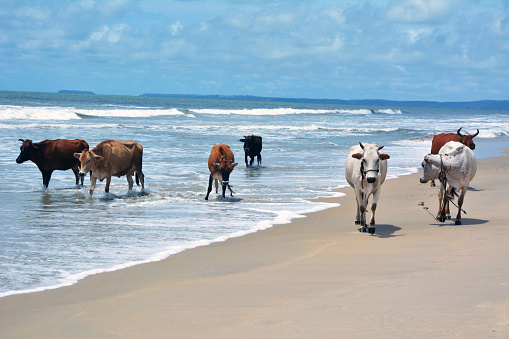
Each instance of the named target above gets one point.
<point>278,278</point>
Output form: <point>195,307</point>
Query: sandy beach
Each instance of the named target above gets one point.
<point>316,277</point>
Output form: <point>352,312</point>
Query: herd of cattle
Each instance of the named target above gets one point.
<point>451,161</point>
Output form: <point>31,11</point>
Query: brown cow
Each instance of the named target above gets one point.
<point>51,155</point>
<point>221,164</point>
<point>440,140</point>
<point>113,158</point>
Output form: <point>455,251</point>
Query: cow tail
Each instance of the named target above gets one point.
<point>137,179</point>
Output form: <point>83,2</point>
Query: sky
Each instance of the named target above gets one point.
<point>438,50</point>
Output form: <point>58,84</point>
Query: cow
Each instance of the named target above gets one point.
<point>455,165</point>
<point>51,155</point>
<point>112,158</point>
<point>365,171</point>
<point>221,164</point>
<point>440,140</point>
<point>252,148</point>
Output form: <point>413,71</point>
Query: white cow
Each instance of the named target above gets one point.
<point>365,171</point>
<point>456,165</point>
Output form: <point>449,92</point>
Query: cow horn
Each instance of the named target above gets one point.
<point>380,147</point>
<point>360,143</point>
<point>476,134</point>
<point>459,132</point>
<point>21,140</point>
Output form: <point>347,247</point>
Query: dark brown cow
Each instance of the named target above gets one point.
<point>440,140</point>
<point>51,155</point>
<point>113,158</point>
<point>252,148</point>
<point>221,164</point>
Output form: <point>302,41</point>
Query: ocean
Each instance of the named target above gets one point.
<point>55,237</point>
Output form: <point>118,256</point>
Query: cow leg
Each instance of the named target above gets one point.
<point>108,182</point>
<point>140,177</point>
<point>259,159</point>
<point>216,183</point>
<point>223,189</point>
<point>130,181</point>
<point>77,175</point>
<point>92,184</point>
<point>251,161</point>
<point>372,221</point>
<point>209,189</point>
<point>442,201</point>
<point>460,203</point>
<point>231,191</point>
<point>362,210</point>
<point>357,215</point>
<point>432,183</point>
<point>46,176</point>
<point>245,158</point>
<point>374,203</point>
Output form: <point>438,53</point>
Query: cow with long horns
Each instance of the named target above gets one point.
<point>455,165</point>
<point>365,171</point>
<point>440,140</point>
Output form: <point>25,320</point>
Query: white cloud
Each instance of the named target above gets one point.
<point>324,44</point>
<point>422,10</point>
<point>176,28</point>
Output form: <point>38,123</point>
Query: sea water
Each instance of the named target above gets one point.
<point>54,237</point>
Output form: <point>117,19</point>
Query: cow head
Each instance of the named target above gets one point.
<point>248,142</point>
<point>26,148</point>
<point>87,159</point>
<point>467,139</point>
<point>370,161</point>
<point>430,169</point>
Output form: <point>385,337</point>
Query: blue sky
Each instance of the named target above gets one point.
<point>444,50</point>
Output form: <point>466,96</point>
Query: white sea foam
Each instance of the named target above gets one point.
<point>37,113</point>
<point>285,111</point>
<point>132,113</point>
<point>68,113</point>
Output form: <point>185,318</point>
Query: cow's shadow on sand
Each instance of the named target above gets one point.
<point>386,231</point>
<point>464,222</point>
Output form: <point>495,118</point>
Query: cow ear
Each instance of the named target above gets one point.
<point>234,164</point>
<point>357,156</point>
<point>384,156</point>
<point>241,140</point>
<point>216,165</point>
<point>98,157</point>
<point>77,155</point>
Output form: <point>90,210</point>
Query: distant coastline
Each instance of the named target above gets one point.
<point>71,91</point>
<point>481,104</point>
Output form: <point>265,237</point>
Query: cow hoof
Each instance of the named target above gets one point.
<point>357,222</point>
<point>458,222</point>
<point>364,230</point>
<point>449,217</point>
<point>372,230</point>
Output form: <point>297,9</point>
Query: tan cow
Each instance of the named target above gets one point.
<point>221,164</point>
<point>113,158</point>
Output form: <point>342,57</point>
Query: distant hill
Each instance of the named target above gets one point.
<point>70,91</point>
<point>482,104</point>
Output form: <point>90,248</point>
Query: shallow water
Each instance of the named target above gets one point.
<point>54,237</point>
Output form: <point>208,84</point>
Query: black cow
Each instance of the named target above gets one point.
<point>51,155</point>
<point>252,148</point>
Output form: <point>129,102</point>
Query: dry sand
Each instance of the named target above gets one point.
<point>316,277</point>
